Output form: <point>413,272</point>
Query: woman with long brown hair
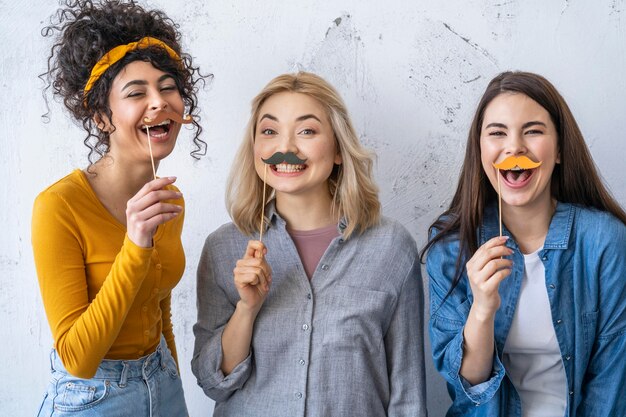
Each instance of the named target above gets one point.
<point>528,307</point>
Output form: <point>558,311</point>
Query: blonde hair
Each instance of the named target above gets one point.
<point>354,193</point>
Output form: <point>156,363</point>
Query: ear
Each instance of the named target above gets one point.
<point>338,158</point>
<point>558,157</point>
<point>102,122</point>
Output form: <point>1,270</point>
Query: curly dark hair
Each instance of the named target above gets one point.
<point>85,31</point>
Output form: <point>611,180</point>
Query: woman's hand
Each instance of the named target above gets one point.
<point>253,277</point>
<point>486,270</point>
<point>147,209</point>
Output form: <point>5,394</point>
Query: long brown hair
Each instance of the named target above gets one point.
<point>575,180</point>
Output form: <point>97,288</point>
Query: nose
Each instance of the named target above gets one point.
<point>515,144</point>
<point>157,102</point>
<point>287,143</point>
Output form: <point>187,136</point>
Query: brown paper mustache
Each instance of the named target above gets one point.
<point>165,115</point>
<point>521,162</point>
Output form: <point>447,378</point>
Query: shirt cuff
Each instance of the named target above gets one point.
<point>483,392</point>
<point>214,383</point>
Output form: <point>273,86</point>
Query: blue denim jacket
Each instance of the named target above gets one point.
<point>584,255</point>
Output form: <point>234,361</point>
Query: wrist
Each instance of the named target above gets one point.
<point>142,242</point>
<point>247,312</point>
<point>482,315</point>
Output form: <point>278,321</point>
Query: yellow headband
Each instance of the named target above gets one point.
<point>119,52</point>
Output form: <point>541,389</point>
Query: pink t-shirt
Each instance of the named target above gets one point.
<point>311,245</point>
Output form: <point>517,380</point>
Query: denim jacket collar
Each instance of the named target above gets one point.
<point>559,231</point>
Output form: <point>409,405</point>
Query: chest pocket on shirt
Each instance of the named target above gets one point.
<point>356,318</point>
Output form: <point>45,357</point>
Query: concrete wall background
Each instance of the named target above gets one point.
<point>411,73</point>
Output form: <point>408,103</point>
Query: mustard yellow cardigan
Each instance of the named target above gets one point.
<point>104,296</point>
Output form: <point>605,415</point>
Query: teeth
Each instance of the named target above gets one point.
<point>159,135</point>
<point>289,168</point>
<point>163,123</point>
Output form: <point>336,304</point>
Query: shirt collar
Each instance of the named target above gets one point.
<point>274,218</point>
<point>558,233</point>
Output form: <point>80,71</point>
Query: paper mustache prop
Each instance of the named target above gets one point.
<point>512,163</point>
<point>277,158</point>
<point>517,163</point>
<point>163,119</point>
<point>288,158</point>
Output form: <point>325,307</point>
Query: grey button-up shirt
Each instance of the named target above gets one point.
<point>349,342</point>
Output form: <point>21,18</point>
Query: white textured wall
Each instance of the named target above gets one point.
<point>411,73</point>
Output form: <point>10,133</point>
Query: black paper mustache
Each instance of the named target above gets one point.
<point>279,158</point>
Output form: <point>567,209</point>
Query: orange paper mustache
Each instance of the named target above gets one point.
<point>522,162</point>
<point>164,115</point>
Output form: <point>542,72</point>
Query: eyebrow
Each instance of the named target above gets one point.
<point>144,82</point>
<point>299,119</point>
<point>534,122</point>
<point>308,116</point>
<point>268,116</point>
<point>524,126</point>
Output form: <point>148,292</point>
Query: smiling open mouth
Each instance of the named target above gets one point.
<point>516,175</point>
<point>157,131</point>
<point>288,168</point>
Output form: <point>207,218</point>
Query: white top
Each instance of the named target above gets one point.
<point>531,356</point>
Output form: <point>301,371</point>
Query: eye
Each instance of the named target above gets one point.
<point>497,133</point>
<point>135,94</point>
<point>534,132</point>
<point>268,131</point>
<point>169,88</point>
<point>307,132</point>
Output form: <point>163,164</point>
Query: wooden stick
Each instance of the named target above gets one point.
<point>151,156</point>
<point>262,219</point>
<point>263,204</point>
<point>499,202</point>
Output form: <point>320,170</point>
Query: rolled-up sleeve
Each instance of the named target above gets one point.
<point>214,311</point>
<point>447,322</point>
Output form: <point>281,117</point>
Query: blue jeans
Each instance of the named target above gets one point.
<point>149,386</point>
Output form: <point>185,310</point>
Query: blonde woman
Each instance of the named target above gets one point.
<point>324,316</point>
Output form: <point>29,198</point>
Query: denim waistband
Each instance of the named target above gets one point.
<point>122,369</point>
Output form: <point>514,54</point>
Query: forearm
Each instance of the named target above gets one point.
<point>478,347</point>
<point>237,338</point>
<point>84,329</point>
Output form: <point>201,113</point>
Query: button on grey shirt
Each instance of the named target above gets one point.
<point>349,342</point>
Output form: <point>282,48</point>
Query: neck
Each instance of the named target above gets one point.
<point>119,177</point>
<point>529,225</point>
<point>308,212</point>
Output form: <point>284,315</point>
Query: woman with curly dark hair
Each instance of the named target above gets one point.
<point>106,239</point>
